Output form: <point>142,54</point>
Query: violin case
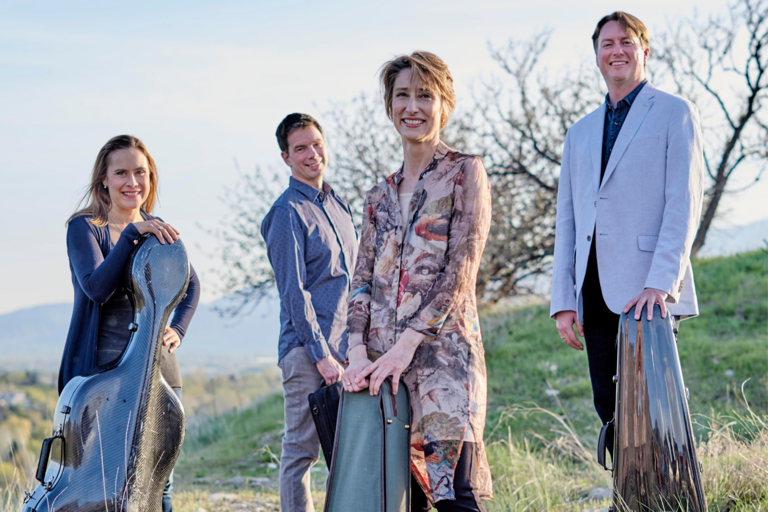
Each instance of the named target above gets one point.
<point>371,461</point>
<point>117,433</point>
<point>654,460</point>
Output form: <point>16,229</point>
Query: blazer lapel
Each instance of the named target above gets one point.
<point>637,113</point>
<point>596,143</point>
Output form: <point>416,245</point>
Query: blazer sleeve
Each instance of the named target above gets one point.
<point>359,300</point>
<point>99,277</point>
<point>683,195</point>
<point>183,313</point>
<point>469,228</point>
<point>563,268</point>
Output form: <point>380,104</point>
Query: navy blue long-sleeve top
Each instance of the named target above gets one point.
<point>312,246</point>
<point>97,272</point>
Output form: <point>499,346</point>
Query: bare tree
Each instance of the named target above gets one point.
<point>522,119</point>
<point>721,64</point>
<point>518,125</point>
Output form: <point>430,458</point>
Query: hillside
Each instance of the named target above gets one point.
<point>230,459</point>
<point>528,364</point>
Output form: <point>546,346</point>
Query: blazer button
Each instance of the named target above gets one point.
<point>589,238</point>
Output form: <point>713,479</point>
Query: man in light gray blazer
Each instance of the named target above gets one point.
<point>628,206</point>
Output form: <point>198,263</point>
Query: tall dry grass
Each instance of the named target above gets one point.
<point>556,471</point>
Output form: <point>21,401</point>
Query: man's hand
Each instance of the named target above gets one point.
<point>564,321</point>
<point>330,370</point>
<point>650,296</point>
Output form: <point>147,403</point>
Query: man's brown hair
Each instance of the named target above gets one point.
<point>293,122</point>
<point>427,67</point>
<point>631,25</point>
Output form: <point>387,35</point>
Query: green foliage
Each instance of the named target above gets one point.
<point>238,443</point>
<point>724,347</point>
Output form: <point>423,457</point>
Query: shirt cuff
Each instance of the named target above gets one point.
<point>317,350</point>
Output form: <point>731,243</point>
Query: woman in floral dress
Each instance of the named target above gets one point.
<point>412,308</point>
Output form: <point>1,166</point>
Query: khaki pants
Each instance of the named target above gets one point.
<point>301,445</point>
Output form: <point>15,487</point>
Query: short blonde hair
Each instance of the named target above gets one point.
<point>427,67</point>
<point>97,197</point>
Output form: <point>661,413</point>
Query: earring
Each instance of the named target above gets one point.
<point>105,187</point>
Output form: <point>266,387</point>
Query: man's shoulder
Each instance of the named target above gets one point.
<point>582,125</point>
<point>672,102</point>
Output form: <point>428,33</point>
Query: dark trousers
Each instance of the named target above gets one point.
<point>463,479</point>
<point>601,327</point>
<point>168,490</point>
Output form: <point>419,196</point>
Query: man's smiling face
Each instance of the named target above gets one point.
<point>620,56</point>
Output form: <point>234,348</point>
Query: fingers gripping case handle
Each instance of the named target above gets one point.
<point>602,441</point>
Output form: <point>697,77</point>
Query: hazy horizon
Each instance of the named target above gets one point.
<point>203,84</point>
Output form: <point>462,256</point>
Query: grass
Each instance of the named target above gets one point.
<point>541,429</point>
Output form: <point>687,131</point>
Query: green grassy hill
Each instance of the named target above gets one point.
<point>542,428</point>
<point>539,388</point>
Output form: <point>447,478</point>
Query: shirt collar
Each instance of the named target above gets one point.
<point>440,153</point>
<point>309,191</point>
<point>629,98</point>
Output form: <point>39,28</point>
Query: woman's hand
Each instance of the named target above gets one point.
<point>160,229</point>
<point>171,337</point>
<point>393,363</point>
<point>358,361</point>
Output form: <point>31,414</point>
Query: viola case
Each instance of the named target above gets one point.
<point>117,433</point>
<point>370,465</point>
<point>654,455</point>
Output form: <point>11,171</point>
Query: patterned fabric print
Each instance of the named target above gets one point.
<point>420,273</point>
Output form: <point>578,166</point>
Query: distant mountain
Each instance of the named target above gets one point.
<point>33,338</point>
<point>736,239</point>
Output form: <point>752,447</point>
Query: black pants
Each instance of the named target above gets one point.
<point>601,327</point>
<point>463,479</point>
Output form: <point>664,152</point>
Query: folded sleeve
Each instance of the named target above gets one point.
<point>98,276</point>
<point>359,301</point>
<point>284,236</point>
<point>183,313</point>
<point>563,296</point>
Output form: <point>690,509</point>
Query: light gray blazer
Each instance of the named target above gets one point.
<point>645,213</point>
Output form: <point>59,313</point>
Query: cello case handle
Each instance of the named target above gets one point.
<point>45,453</point>
<point>602,441</point>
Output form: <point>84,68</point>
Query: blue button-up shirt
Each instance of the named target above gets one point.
<point>312,246</point>
<point>614,120</point>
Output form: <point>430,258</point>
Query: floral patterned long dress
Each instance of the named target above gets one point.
<point>420,273</point>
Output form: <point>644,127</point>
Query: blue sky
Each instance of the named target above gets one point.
<point>203,83</point>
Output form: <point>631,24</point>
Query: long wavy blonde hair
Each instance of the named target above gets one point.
<point>97,197</point>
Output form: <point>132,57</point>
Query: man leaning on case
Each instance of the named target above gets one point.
<point>628,206</point>
<point>312,246</point>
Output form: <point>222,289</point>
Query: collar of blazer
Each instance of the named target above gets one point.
<point>637,113</point>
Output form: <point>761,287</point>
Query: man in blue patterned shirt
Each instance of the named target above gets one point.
<point>312,246</point>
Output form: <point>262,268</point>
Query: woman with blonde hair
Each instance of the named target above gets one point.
<point>100,237</point>
<point>412,308</point>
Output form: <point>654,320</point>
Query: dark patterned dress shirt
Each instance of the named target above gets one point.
<point>614,120</point>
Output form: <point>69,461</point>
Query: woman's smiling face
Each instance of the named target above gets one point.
<point>127,179</point>
<point>415,110</point>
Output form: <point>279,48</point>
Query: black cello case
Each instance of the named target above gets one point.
<point>117,433</point>
<point>654,456</point>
